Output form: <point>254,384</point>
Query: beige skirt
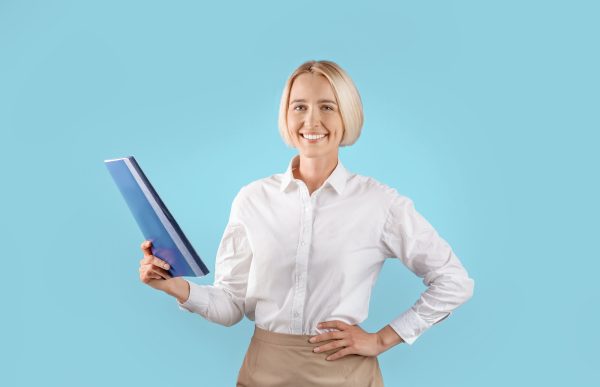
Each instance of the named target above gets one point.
<point>279,359</point>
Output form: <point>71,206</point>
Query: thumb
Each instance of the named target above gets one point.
<point>146,248</point>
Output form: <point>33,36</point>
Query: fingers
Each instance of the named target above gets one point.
<point>152,260</point>
<point>333,345</point>
<point>337,324</point>
<point>162,272</point>
<point>160,263</point>
<point>151,267</point>
<point>340,353</point>
<point>149,275</point>
<point>328,336</point>
<point>153,272</point>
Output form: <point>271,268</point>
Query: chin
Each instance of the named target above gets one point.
<point>310,155</point>
<point>313,153</point>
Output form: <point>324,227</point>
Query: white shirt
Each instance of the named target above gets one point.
<point>289,260</point>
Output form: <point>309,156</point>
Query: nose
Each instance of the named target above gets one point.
<point>312,118</point>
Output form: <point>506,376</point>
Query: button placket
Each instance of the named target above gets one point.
<point>301,260</point>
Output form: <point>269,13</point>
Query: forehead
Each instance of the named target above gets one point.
<point>311,85</point>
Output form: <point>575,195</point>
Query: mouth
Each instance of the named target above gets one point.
<point>314,138</point>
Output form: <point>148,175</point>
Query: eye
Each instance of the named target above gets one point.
<point>298,106</point>
<point>328,107</point>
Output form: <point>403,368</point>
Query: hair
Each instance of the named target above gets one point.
<point>346,94</point>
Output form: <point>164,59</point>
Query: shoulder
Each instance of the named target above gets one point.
<point>375,190</point>
<point>259,188</point>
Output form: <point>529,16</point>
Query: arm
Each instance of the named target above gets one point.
<point>224,301</point>
<point>409,236</point>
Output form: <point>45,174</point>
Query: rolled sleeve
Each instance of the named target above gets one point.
<point>407,235</point>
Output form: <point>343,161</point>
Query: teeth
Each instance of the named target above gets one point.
<point>313,136</point>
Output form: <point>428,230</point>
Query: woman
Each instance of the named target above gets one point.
<point>303,249</point>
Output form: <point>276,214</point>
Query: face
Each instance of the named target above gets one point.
<point>313,118</point>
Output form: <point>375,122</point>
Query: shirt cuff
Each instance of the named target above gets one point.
<point>197,301</point>
<point>409,325</point>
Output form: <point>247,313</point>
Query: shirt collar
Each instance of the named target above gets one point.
<point>337,179</point>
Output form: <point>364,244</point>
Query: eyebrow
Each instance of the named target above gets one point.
<point>319,101</point>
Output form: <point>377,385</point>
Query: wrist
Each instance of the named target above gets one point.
<point>387,338</point>
<point>178,288</point>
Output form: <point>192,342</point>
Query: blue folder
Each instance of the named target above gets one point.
<point>154,219</point>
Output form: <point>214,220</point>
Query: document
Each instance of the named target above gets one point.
<point>169,243</point>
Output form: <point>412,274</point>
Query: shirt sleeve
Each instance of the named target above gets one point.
<point>407,235</point>
<point>224,301</point>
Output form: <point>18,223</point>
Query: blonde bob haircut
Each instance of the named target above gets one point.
<point>346,94</point>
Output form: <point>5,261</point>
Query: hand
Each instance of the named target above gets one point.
<point>153,270</point>
<point>351,338</point>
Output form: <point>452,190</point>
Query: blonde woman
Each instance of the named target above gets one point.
<point>302,250</point>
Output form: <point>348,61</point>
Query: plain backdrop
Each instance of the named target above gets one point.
<point>484,113</point>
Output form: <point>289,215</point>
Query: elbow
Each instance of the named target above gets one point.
<point>468,289</point>
<point>225,307</point>
<point>464,287</point>
<point>227,316</point>
<point>460,287</point>
<point>232,320</point>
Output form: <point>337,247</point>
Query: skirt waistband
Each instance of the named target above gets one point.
<point>284,338</point>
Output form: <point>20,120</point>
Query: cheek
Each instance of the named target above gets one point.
<point>292,126</point>
<point>334,122</point>
<point>293,123</point>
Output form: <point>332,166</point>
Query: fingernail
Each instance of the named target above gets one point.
<point>316,349</point>
<point>312,339</point>
<point>167,267</point>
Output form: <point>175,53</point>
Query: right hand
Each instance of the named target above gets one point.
<point>153,270</point>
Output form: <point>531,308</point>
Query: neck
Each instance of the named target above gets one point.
<point>314,171</point>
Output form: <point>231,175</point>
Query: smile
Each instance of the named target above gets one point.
<point>313,137</point>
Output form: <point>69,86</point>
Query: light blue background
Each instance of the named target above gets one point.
<point>484,113</point>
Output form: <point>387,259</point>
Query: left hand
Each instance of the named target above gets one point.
<point>351,338</point>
